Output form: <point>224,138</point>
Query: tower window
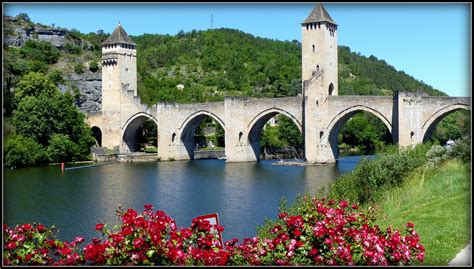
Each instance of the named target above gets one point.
<point>331,89</point>
<point>126,70</point>
<point>313,48</point>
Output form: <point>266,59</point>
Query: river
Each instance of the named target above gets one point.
<point>243,194</point>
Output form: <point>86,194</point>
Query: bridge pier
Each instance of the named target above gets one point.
<point>237,145</point>
<point>170,146</point>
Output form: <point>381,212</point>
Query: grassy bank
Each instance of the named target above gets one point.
<point>438,202</point>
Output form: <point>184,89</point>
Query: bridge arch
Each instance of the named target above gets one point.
<point>256,125</point>
<point>429,125</point>
<point>332,130</point>
<point>189,126</point>
<point>97,134</point>
<point>131,128</point>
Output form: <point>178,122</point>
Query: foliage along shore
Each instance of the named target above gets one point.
<point>428,185</point>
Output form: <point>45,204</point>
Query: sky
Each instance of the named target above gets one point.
<point>430,41</point>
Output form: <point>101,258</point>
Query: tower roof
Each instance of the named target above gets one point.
<point>118,36</point>
<point>319,14</point>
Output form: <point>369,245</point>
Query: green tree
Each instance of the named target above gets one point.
<point>288,132</point>
<point>22,151</point>
<point>45,114</point>
<point>34,84</point>
<point>61,149</point>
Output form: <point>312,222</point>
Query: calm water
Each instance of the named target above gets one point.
<point>243,194</point>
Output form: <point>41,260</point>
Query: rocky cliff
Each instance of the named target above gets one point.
<point>18,30</point>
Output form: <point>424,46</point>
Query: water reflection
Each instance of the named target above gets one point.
<point>243,194</point>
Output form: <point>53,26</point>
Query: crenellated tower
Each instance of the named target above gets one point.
<point>119,83</point>
<point>119,69</point>
<point>319,74</point>
<point>319,51</point>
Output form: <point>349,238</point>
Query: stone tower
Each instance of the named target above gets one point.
<point>319,75</point>
<point>119,68</point>
<point>319,51</point>
<point>119,79</point>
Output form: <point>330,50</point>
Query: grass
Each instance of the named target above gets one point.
<point>438,202</point>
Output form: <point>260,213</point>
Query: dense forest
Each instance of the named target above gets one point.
<point>209,65</point>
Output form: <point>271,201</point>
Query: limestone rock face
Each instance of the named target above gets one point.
<point>55,37</point>
<point>90,90</point>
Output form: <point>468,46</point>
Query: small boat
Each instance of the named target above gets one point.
<point>222,158</point>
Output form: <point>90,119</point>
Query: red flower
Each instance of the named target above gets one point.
<point>11,245</point>
<point>65,251</point>
<point>313,252</point>
<point>297,232</point>
<point>79,239</point>
<point>149,207</point>
<point>28,257</point>
<point>410,225</point>
<point>40,228</point>
<point>185,233</point>
<point>99,226</point>
<point>343,204</point>
<point>26,227</point>
<point>138,242</point>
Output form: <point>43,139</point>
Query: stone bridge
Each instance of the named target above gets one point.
<point>318,111</point>
<point>409,117</point>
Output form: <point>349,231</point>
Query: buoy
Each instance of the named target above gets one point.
<point>62,166</point>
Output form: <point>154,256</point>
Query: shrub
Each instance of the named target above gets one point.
<point>461,149</point>
<point>56,76</point>
<point>22,151</point>
<point>37,245</point>
<point>72,49</point>
<point>323,233</point>
<point>41,51</point>
<point>436,155</point>
<point>329,233</point>
<point>79,68</point>
<point>93,66</point>
<point>362,184</point>
<point>61,148</point>
<point>151,149</point>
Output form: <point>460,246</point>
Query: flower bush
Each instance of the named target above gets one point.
<point>36,245</point>
<point>323,233</point>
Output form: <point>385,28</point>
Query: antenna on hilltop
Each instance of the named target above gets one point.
<point>212,21</point>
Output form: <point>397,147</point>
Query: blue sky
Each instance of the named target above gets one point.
<point>431,42</point>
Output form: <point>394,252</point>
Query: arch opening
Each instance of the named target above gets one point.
<point>450,125</point>
<point>204,138</point>
<point>140,135</point>
<point>331,89</point>
<point>359,132</point>
<point>275,135</point>
<point>97,134</point>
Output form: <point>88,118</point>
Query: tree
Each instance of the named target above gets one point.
<point>34,84</point>
<point>22,151</point>
<point>61,148</point>
<point>51,120</point>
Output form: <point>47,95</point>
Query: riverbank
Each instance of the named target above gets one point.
<point>437,201</point>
